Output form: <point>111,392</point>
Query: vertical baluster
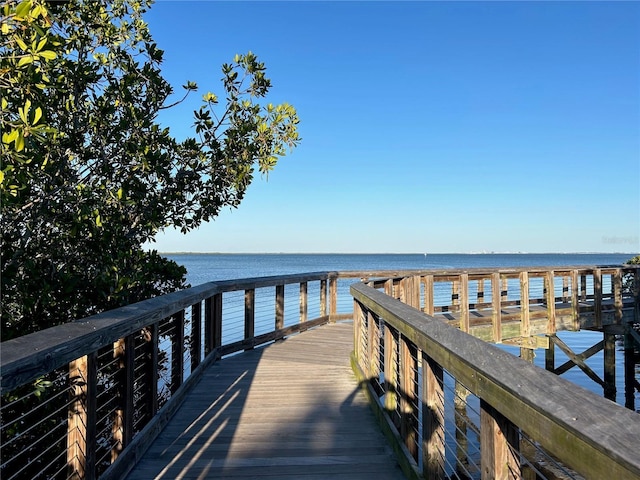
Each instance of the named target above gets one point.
<point>249,315</point>
<point>333,298</point>
<point>279,323</point>
<point>177,351</point>
<point>464,302</point>
<point>597,296</point>
<point>433,436</point>
<point>81,426</point>
<point>499,445</point>
<point>408,396</point>
<point>428,294</point>
<point>496,297</point>
<point>303,302</point>
<point>196,335</point>
<point>617,295</point>
<point>575,303</point>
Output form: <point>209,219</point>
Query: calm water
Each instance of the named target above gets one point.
<point>209,267</point>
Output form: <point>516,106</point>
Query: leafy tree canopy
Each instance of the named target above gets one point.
<point>88,175</point>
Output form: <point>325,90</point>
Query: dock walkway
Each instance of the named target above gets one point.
<point>290,409</point>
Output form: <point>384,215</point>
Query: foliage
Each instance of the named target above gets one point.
<point>634,261</point>
<point>88,175</point>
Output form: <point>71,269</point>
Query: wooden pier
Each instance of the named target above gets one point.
<point>292,409</point>
<point>251,377</point>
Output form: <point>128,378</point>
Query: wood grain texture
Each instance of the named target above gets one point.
<point>291,409</point>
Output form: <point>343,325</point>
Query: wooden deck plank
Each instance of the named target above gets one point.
<point>291,409</point>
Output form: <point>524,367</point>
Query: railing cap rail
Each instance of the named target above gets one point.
<point>25,358</point>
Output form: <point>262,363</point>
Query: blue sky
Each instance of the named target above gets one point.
<point>427,126</point>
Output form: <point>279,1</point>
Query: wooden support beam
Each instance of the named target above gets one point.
<point>525,325</point>
<point>579,359</point>
<point>617,295</point>
<point>333,297</point>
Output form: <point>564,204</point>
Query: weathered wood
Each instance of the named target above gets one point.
<point>231,424</point>
<point>496,319</point>
<point>390,376</point>
<point>279,313</point>
<point>333,296</point>
<point>81,426</point>
<point>617,295</point>
<point>428,294</point>
<point>499,445</point>
<point>524,305</point>
<point>249,314</point>
<point>464,302</point>
<point>433,446</point>
<point>597,291</point>
<point>323,298</point>
<point>574,300</point>
<point>551,302</point>
<point>303,302</point>
<point>408,396</point>
<point>177,351</point>
<point>574,433</point>
<point>609,375</point>
<point>196,335</point>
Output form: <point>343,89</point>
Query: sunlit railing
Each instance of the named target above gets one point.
<point>458,406</point>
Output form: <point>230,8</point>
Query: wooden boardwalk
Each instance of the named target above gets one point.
<point>292,409</point>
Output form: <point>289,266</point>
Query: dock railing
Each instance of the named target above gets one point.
<point>407,360</point>
<point>84,400</point>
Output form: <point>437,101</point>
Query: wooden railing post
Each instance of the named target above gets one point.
<point>464,302</point>
<point>196,335</point>
<point>358,325</point>
<point>433,436</point>
<point>617,295</point>
<point>525,327</point>
<point>81,427</point>
<point>408,396</point>
<point>390,375</point>
<point>597,296</point>
<point>213,323</point>
<point>499,445</point>
<point>609,375</point>
<point>374,346</point>
<point>428,294</point>
<point>323,298</point>
<point>122,428</point>
<point>333,297</point>
<point>551,302</point>
<point>575,303</point>
<point>177,351</point>
<point>303,302</point>
<point>279,307</point>
<point>496,297</point>
<point>150,389</point>
<point>249,314</point>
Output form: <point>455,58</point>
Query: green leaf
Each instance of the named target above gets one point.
<point>37,116</point>
<point>21,44</point>
<point>48,54</point>
<point>23,9</point>
<point>25,60</point>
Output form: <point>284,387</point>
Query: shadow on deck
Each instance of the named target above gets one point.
<point>290,409</point>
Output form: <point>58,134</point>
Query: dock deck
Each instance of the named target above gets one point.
<point>290,409</point>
